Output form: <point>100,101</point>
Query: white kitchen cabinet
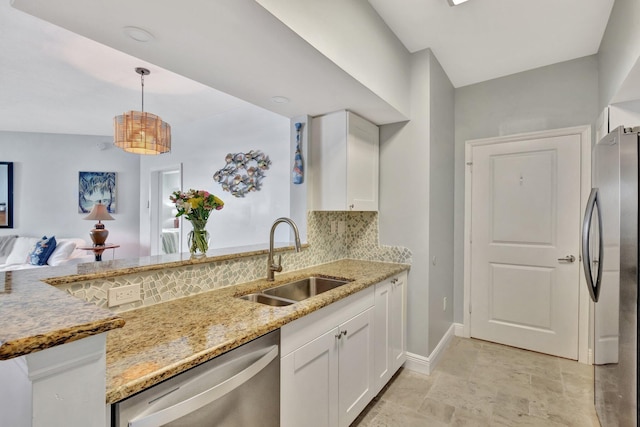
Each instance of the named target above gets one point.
<point>620,114</point>
<point>390,330</point>
<point>356,382</point>
<point>399,321</point>
<point>344,163</point>
<point>326,369</point>
<point>309,384</point>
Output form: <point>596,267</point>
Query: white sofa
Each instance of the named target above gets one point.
<point>14,252</point>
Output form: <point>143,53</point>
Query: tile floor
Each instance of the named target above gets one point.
<point>478,383</point>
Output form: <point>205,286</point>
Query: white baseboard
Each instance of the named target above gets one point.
<point>459,329</point>
<point>417,363</point>
<point>426,365</point>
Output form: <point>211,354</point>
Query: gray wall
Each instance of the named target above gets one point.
<point>556,96</point>
<point>441,191</point>
<point>411,155</point>
<point>45,186</point>
<point>619,49</point>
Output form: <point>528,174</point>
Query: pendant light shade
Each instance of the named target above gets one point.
<point>139,132</point>
<point>142,133</point>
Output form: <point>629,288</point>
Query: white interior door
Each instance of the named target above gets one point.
<point>525,237</point>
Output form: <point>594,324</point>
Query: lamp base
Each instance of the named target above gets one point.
<point>99,236</point>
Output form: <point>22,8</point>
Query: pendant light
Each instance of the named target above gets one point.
<point>139,132</point>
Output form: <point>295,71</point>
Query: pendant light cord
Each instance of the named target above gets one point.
<point>142,85</point>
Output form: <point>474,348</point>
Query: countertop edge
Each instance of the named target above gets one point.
<point>27,345</point>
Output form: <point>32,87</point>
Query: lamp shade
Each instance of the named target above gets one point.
<point>142,133</point>
<point>99,213</point>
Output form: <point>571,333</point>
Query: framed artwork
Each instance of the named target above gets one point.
<point>94,187</point>
<point>6,194</point>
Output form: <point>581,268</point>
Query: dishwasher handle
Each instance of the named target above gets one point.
<point>192,404</point>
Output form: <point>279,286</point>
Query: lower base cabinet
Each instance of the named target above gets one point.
<point>331,358</point>
<point>309,384</point>
<point>390,328</point>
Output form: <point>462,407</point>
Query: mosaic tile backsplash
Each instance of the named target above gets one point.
<point>358,241</point>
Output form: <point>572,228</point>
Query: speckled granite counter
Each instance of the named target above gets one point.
<point>160,341</point>
<point>35,316</point>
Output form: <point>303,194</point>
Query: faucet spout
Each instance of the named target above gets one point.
<point>272,267</point>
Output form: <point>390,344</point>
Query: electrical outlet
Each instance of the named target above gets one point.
<point>124,294</point>
<point>444,304</point>
<point>341,227</point>
<point>334,227</point>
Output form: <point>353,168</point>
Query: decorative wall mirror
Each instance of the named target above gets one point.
<point>6,194</point>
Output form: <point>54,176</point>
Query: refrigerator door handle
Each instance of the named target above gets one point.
<point>587,262</point>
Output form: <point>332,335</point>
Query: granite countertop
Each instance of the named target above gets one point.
<point>160,341</point>
<point>35,315</point>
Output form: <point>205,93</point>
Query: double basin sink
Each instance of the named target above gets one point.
<point>290,293</point>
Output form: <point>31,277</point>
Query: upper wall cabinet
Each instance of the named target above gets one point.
<point>343,160</point>
<point>625,114</point>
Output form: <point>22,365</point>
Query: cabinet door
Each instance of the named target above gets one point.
<point>382,353</point>
<point>362,164</point>
<point>397,327</point>
<point>356,375</point>
<point>309,384</point>
<point>327,162</point>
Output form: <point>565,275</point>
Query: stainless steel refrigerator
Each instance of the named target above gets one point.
<point>610,260</point>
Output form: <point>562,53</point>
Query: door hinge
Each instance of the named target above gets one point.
<point>470,164</point>
<point>469,308</point>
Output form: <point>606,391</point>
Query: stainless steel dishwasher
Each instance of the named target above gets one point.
<point>238,388</point>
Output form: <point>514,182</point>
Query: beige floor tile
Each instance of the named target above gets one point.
<point>436,410</point>
<point>571,366</point>
<point>473,397</point>
<point>478,383</point>
<point>503,378</point>
<point>392,415</point>
<point>577,386</point>
<point>409,389</point>
<point>462,418</point>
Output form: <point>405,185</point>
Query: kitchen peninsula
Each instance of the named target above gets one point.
<point>40,323</point>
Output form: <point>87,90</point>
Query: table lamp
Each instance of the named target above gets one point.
<point>99,233</point>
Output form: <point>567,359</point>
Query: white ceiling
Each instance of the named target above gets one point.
<point>54,80</point>
<point>484,39</point>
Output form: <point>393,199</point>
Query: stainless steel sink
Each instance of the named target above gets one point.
<point>266,299</point>
<point>290,293</point>
<point>305,288</point>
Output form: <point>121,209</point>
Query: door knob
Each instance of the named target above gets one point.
<point>568,258</point>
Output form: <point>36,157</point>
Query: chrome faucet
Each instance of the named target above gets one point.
<point>271,265</point>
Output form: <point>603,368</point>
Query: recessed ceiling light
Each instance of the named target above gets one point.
<point>455,2</point>
<point>138,34</point>
<point>279,100</point>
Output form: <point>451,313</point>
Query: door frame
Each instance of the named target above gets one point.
<point>154,201</point>
<point>585,307</point>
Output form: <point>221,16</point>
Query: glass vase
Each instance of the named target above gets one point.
<point>198,242</point>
